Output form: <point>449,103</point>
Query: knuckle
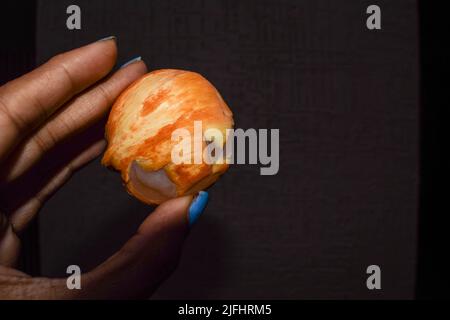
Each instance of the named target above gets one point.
<point>57,69</point>
<point>104,94</point>
<point>43,144</point>
<point>9,118</point>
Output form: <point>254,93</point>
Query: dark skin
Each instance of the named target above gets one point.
<point>43,112</point>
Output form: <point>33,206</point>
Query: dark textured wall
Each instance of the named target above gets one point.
<point>346,102</point>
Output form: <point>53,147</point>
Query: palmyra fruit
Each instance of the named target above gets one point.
<point>139,134</point>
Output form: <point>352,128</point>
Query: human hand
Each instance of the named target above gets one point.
<point>40,113</point>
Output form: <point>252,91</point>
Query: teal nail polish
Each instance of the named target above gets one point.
<point>197,207</point>
<point>107,38</point>
<point>131,61</point>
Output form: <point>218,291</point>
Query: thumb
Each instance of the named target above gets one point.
<point>135,271</point>
<point>150,256</point>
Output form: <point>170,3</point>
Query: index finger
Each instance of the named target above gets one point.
<point>27,101</point>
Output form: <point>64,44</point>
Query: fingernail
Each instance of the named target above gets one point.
<point>197,207</point>
<point>131,61</point>
<point>107,38</point>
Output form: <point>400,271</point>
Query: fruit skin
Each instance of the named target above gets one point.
<point>143,118</point>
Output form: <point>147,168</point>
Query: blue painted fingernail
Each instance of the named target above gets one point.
<point>197,207</point>
<point>107,38</point>
<point>131,61</point>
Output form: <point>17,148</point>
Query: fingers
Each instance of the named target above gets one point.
<point>28,100</point>
<point>134,271</point>
<point>21,217</point>
<point>146,259</point>
<point>15,223</point>
<point>77,115</point>
<point>9,243</point>
<point>15,285</point>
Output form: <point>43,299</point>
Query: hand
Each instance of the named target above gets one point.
<point>41,114</point>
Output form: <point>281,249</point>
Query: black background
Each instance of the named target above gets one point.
<point>346,102</point>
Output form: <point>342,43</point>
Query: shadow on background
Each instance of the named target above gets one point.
<point>203,263</point>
